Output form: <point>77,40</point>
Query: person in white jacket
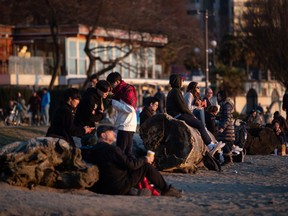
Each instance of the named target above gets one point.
<point>124,102</point>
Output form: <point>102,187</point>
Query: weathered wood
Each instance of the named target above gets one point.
<point>261,141</point>
<point>45,161</point>
<point>177,145</point>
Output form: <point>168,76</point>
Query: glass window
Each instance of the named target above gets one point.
<point>72,57</point>
<point>82,58</point>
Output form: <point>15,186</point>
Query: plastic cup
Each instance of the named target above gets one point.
<point>150,153</point>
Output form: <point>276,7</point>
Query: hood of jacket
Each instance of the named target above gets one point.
<point>175,81</point>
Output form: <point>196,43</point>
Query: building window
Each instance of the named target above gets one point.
<point>72,57</point>
<point>82,59</point>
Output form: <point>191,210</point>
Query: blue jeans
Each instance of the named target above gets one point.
<point>45,114</point>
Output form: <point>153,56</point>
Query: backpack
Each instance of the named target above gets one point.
<point>210,162</point>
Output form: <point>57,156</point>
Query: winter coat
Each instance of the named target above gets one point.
<point>126,93</point>
<point>175,103</point>
<point>126,118</point>
<point>124,102</point>
<point>89,109</point>
<point>62,125</point>
<point>114,168</point>
<point>146,113</point>
<point>225,117</point>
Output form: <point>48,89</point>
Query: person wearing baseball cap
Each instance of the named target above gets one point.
<point>118,173</point>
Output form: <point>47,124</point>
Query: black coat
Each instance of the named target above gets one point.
<point>88,110</point>
<point>175,103</point>
<point>114,168</point>
<point>62,125</point>
<point>146,113</point>
<point>210,121</point>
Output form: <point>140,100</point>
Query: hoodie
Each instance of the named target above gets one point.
<point>175,103</point>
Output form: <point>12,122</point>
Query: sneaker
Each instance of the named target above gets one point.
<point>237,149</point>
<point>235,153</point>
<point>213,148</point>
<point>172,192</point>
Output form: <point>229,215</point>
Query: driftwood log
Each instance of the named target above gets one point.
<point>177,145</point>
<point>261,141</point>
<point>45,161</point>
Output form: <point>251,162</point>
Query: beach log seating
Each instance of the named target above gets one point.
<point>177,146</point>
<point>261,141</point>
<point>45,161</point>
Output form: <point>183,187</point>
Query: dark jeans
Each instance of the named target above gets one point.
<point>150,173</point>
<point>132,179</point>
<point>228,146</point>
<point>125,142</point>
<point>192,121</point>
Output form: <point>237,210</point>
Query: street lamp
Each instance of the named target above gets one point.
<point>214,45</point>
<point>205,12</point>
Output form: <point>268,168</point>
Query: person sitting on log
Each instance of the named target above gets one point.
<point>118,173</point>
<point>193,101</point>
<point>62,125</point>
<point>177,108</point>
<point>150,110</point>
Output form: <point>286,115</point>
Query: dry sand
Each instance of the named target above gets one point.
<point>256,187</point>
<point>259,186</point>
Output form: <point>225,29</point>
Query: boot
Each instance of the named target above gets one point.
<point>228,160</point>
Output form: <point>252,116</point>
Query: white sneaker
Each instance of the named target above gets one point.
<point>237,149</point>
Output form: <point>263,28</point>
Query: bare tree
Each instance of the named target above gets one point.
<point>266,31</point>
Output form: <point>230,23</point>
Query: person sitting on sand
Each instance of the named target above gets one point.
<point>118,173</point>
<point>62,125</point>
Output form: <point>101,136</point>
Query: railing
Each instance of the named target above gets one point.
<point>22,65</point>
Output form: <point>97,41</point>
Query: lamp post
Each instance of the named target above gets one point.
<point>214,45</point>
<point>205,12</point>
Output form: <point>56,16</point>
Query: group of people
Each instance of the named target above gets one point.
<point>201,114</point>
<point>119,170</point>
<point>35,112</point>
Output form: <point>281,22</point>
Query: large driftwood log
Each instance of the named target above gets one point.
<point>45,161</point>
<point>261,141</point>
<point>177,145</point>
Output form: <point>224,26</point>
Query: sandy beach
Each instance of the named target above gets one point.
<point>258,186</point>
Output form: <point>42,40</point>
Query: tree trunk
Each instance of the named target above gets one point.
<point>56,54</point>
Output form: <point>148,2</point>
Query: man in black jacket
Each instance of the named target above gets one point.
<point>149,110</point>
<point>91,109</point>
<point>119,173</point>
<point>62,125</point>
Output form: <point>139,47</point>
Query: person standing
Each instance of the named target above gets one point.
<point>91,108</point>
<point>93,80</point>
<point>162,100</point>
<point>45,106</point>
<point>35,108</point>
<point>119,173</point>
<point>124,102</point>
<point>62,125</point>
<point>226,131</point>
